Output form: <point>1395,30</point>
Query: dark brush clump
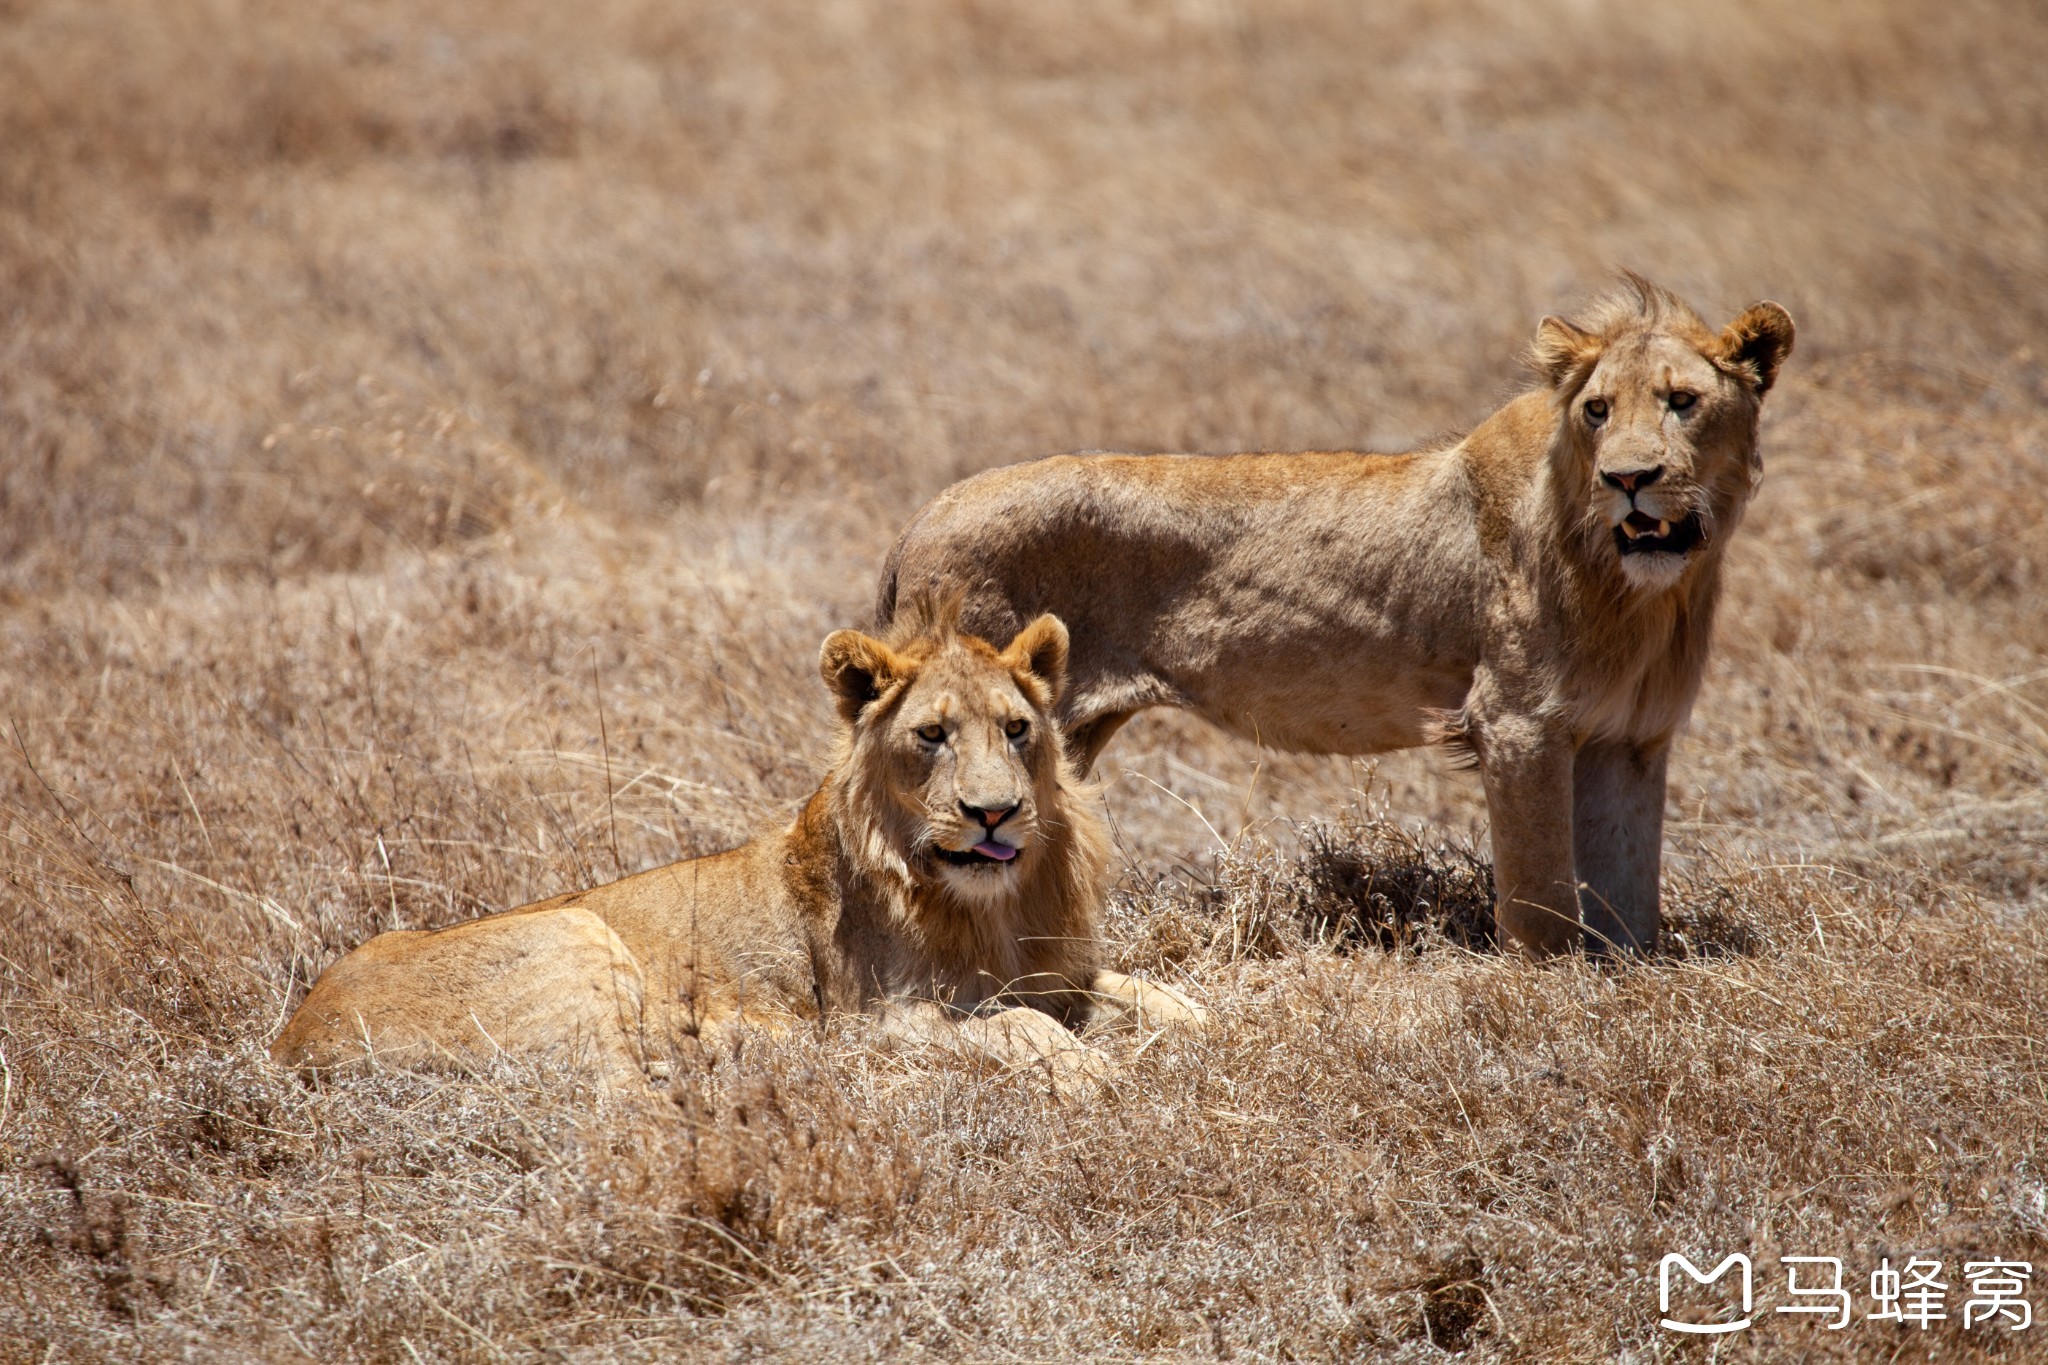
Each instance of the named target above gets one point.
<point>1368,881</point>
<point>1362,880</point>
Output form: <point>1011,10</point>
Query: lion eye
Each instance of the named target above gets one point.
<point>1596,410</point>
<point>931,734</point>
<point>1016,728</point>
<point>1681,400</point>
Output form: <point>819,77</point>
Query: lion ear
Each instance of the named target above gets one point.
<point>1040,649</point>
<point>1758,342</point>
<point>858,668</point>
<point>1563,352</point>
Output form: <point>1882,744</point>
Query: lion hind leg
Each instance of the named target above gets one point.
<point>721,1032</point>
<point>1087,739</point>
<point>555,984</point>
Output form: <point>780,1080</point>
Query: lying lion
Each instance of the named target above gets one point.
<point>945,876</point>
<point>1540,593</point>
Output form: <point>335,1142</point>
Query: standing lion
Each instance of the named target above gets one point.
<point>945,876</point>
<point>1540,594</point>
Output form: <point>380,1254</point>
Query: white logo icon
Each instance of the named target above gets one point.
<point>1704,1328</point>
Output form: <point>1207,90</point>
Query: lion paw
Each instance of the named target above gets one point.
<point>1127,1002</point>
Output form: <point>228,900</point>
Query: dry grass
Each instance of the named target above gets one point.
<point>434,438</point>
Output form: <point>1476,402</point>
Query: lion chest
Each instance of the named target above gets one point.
<point>1642,691</point>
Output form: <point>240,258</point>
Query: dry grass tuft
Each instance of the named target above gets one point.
<point>734,1193</point>
<point>435,437</point>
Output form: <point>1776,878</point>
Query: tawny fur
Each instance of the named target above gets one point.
<point>851,908</point>
<point>1476,593</point>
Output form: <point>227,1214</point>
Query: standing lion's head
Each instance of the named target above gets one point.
<point>1658,421</point>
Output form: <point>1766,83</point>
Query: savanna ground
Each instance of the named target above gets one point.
<point>435,437</point>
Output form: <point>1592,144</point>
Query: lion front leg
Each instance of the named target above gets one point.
<point>1526,767</point>
<point>1127,1001</point>
<point>1014,1037</point>
<point>1618,841</point>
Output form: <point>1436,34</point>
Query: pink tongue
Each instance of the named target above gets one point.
<point>1002,853</point>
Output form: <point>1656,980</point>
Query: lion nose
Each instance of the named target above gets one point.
<point>1629,480</point>
<point>991,816</point>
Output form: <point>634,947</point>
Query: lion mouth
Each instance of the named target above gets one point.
<point>1642,534</point>
<point>987,853</point>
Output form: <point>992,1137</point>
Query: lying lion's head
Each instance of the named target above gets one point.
<point>1659,421</point>
<point>953,754</point>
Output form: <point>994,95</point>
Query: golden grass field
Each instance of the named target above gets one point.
<point>435,437</point>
